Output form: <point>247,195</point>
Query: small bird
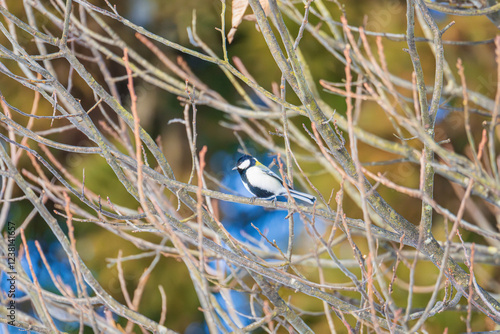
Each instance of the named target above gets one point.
<point>264,183</point>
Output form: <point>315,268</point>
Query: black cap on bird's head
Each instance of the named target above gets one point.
<point>244,162</point>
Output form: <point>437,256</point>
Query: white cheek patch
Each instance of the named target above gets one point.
<point>244,164</point>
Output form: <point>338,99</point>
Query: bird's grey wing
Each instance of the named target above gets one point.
<point>273,174</point>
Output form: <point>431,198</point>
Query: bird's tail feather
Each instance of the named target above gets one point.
<point>302,196</point>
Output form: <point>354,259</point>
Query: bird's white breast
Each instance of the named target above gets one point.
<point>258,178</point>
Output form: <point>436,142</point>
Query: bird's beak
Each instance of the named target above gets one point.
<point>235,167</point>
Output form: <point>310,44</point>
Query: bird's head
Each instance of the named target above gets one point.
<point>244,162</point>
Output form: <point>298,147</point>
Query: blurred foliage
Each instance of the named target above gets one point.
<point>170,19</point>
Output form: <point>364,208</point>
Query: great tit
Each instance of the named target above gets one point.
<point>264,183</point>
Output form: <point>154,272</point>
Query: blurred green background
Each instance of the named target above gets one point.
<point>170,20</point>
